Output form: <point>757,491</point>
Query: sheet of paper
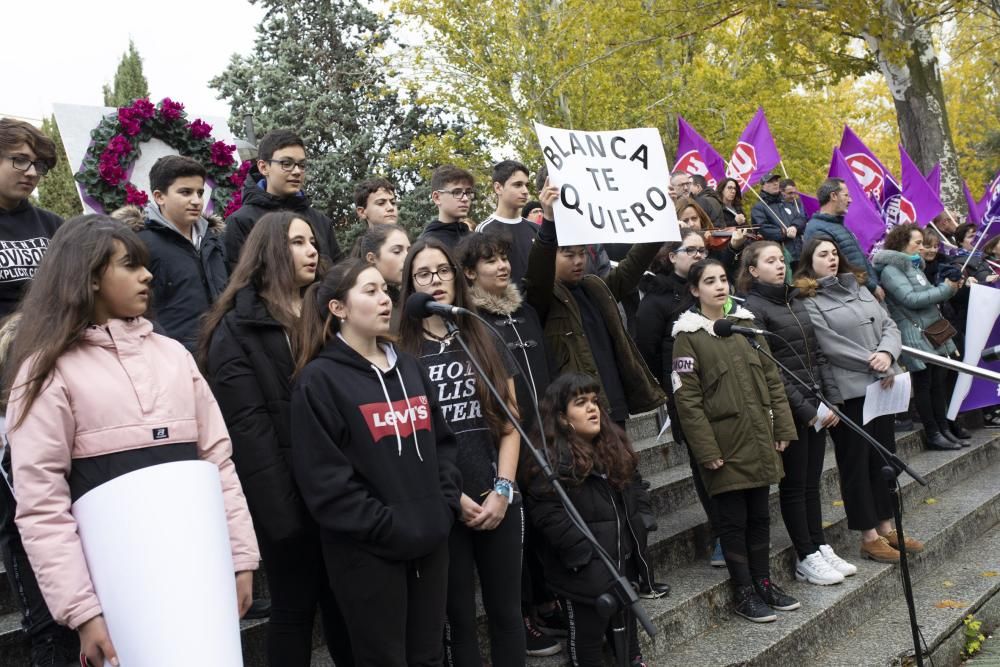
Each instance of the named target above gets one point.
<point>822,412</point>
<point>157,547</point>
<point>666,425</point>
<point>879,401</point>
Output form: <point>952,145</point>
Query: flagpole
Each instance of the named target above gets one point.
<point>784,227</point>
<point>943,237</point>
<point>782,164</point>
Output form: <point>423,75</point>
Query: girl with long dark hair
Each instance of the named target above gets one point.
<point>246,350</point>
<point>91,392</point>
<point>732,202</point>
<point>488,536</point>
<point>374,460</point>
<point>385,247</point>
<point>598,468</point>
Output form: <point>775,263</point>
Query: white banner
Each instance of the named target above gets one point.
<point>612,185</point>
<point>981,325</point>
<point>157,547</point>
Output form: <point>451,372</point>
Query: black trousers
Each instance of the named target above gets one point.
<point>801,508</point>
<point>534,592</point>
<point>931,394</point>
<point>702,492</point>
<point>587,631</point>
<point>297,579</point>
<point>496,556</point>
<point>862,487</point>
<point>745,532</point>
<point>394,610</point>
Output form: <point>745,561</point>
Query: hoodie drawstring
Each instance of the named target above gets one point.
<point>388,401</point>
<point>416,436</point>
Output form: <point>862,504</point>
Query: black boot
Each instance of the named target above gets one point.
<point>957,431</point>
<point>938,441</point>
<point>751,607</point>
<point>773,596</point>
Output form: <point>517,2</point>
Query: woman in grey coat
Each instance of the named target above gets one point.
<point>861,343</point>
<point>913,304</point>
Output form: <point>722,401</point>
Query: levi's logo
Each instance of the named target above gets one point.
<point>161,433</point>
<point>384,418</point>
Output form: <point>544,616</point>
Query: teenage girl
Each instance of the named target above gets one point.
<point>385,247</point>
<point>736,419</point>
<point>489,536</point>
<point>246,351</point>
<point>374,461</point>
<point>598,468</point>
<point>87,363</point>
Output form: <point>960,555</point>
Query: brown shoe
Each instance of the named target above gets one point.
<point>912,546</point>
<point>879,551</point>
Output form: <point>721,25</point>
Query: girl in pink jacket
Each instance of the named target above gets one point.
<point>95,395</point>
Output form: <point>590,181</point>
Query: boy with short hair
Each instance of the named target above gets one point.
<point>275,184</point>
<point>452,191</point>
<point>186,254</point>
<point>375,202</point>
<point>510,184</point>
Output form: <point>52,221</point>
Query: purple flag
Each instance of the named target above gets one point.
<point>755,153</point>
<point>862,217</point>
<point>982,331</point>
<point>810,205</point>
<point>933,179</point>
<point>696,156</point>
<point>975,207</point>
<point>869,171</point>
<point>918,202</point>
<point>990,203</point>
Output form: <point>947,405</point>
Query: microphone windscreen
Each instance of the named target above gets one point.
<point>416,306</point>
<point>723,328</point>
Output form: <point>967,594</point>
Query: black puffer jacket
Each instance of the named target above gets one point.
<point>658,310</point>
<point>249,368</point>
<point>774,215</point>
<point>616,517</point>
<point>776,309</point>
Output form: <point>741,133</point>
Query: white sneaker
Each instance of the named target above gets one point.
<point>836,562</point>
<point>814,569</point>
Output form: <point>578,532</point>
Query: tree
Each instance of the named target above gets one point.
<point>320,68</point>
<point>57,190</point>
<point>129,82</point>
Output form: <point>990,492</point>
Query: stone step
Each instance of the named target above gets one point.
<point>697,624</point>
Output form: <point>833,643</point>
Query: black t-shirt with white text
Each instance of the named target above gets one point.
<point>25,233</point>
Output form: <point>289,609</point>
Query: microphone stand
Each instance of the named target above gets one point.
<point>893,464</point>
<point>622,596</point>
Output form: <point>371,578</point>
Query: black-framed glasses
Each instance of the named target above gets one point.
<point>24,163</point>
<point>425,277</point>
<point>459,193</point>
<point>693,251</point>
<point>288,165</point>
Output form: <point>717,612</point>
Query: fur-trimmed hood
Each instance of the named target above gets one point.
<point>505,304</point>
<point>135,217</point>
<point>691,321</point>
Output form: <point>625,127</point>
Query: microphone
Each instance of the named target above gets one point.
<point>991,353</point>
<point>725,328</point>
<point>420,306</point>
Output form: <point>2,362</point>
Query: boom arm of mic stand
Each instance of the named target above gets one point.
<point>891,457</point>
<point>626,593</point>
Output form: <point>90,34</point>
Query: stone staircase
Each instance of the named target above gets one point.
<point>860,622</point>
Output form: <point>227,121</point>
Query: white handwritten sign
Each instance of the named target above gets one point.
<point>612,185</point>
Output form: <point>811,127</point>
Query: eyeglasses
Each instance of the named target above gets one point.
<point>24,163</point>
<point>425,277</point>
<point>459,193</point>
<point>289,165</point>
<point>693,251</point>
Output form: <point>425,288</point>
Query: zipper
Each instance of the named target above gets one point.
<point>618,524</point>
<point>804,338</point>
<point>638,550</point>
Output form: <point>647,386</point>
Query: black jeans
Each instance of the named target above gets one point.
<point>533,589</point>
<point>931,394</point>
<point>863,489</point>
<point>394,610</point>
<point>801,508</point>
<point>587,630</point>
<point>745,532</point>
<point>496,556</point>
<point>297,579</point>
<point>702,492</point>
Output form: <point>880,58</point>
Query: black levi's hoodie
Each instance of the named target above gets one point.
<point>372,454</point>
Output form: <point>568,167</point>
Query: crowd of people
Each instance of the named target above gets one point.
<point>367,465</point>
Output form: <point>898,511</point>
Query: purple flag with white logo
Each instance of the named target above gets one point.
<point>918,202</point>
<point>862,216</point>
<point>990,203</point>
<point>696,156</point>
<point>869,171</point>
<point>933,179</point>
<point>755,153</point>
<point>982,331</point>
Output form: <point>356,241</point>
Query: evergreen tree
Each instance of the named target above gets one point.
<point>57,189</point>
<point>130,83</point>
<point>316,68</point>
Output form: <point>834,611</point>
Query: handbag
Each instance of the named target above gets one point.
<point>939,333</point>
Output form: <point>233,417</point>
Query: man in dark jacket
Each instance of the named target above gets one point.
<point>778,219</point>
<point>186,253</point>
<point>828,223</point>
<point>708,199</point>
<point>452,191</point>
<point>275,184</point>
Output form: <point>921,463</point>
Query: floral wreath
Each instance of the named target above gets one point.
<point>115,145</point>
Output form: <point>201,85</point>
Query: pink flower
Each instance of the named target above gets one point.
<point>111,173</point>
<point>222,154</point>
<point>170,110</point>
<point>240,177</point>
<point>135,196</point>
<point>200,129</point>
<point>130,122</point>
<point>118,146</point>
<point>234,203</point>
<point>143,108</point>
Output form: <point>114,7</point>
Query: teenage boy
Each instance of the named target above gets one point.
<point>26,155</point>
<point>375,202</point>
<point>186,254</point>
<point>510,184</point>
<point>452,191</point>
<point>275,184</point>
